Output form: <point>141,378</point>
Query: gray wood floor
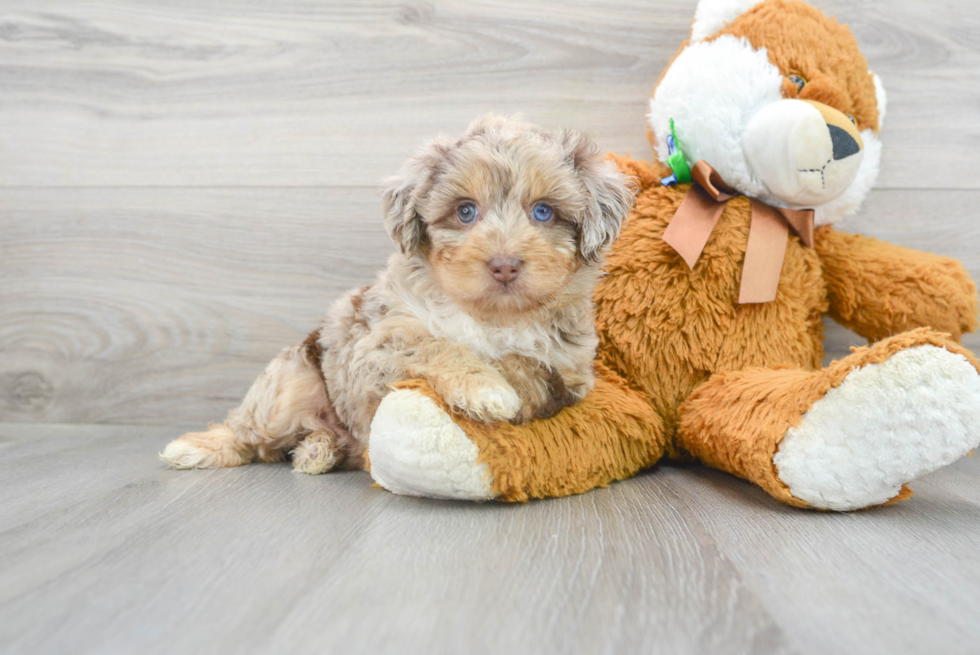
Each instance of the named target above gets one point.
<point>186,184</point>
<point>104,550</point>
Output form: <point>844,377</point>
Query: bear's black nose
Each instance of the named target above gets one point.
<point>844,143</point>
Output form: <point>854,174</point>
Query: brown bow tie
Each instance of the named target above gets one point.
<point>698,214</point>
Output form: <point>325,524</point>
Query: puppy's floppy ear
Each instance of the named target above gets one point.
<point>611,195</point>
<point>402,220</point>
<point>404,193</point>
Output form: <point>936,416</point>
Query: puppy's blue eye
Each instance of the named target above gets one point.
<point>542,212</point>
<point>467,212</point>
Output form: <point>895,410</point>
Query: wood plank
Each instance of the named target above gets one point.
<point>154,305</point>
<point>135,305</point>
<point>260,559</point>
<point>959,480</point>
<point>136,300</point>
<point>60,454</point>
<point>902,579</point>
<point>301,93</point>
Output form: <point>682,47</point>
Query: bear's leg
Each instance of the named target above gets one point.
<point>846,437</point>
<point>419,448</point>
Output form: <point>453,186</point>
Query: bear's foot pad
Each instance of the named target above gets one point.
<point>883,426</point>
<point>417,450</point>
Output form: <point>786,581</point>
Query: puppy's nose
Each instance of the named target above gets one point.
<point>504,268</point>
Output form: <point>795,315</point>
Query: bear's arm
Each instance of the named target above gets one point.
<point>878,289</point>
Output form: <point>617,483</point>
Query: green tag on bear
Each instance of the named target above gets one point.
<point>676,160</point>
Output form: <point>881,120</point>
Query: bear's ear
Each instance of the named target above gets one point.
<point>882,99</point>
<point>711,16</point>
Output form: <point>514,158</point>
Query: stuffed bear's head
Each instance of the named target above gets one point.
<point>778,99</point>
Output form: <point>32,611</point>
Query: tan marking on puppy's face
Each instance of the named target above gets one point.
<point>508,192</point>
<point>503,192</point>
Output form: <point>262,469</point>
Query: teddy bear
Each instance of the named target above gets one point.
<point>765,127</point>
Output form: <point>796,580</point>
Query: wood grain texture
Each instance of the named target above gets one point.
<point>294,93</point>
<point>149,305</point>
<point>157,250</point>
<point>103,549</point>
<point>131,305</point>
<point>185,185</point>
<point>128,556</point>
<point>902,579</point>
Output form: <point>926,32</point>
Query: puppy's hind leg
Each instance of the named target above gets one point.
<point>285,404</point>
<point>219,447</point>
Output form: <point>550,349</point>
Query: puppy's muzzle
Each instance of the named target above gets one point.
<point>504,268</point>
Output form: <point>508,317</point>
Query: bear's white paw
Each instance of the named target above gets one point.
<point>885,425</point>
<point>416,450</point>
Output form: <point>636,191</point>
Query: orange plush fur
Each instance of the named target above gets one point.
<point>666,330</point>
<point>684,370</point>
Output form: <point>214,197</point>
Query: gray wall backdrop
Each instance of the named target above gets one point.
<point>186,184</point>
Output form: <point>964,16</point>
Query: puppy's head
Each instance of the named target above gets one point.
<point>508,215</point>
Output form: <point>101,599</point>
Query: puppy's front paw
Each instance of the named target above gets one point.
<point>496,404</point>
<point>486,402</point>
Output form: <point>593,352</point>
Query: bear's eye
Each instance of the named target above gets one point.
<point>467,212</point>
<point>851,118</point>
<point>798,81</point>
<point>542,212</point>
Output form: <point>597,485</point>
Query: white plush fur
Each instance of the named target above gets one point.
<point>790,136</point>
<point>714,15</point>
<point>850,201</point>
<point>417,450</point>
<point>713,90</point>
<point>882,99</point>
<point>884,426</point>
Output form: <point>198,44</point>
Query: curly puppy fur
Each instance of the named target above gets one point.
<point>512,346</point>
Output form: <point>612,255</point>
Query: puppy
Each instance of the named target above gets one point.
<point>500,234</point>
